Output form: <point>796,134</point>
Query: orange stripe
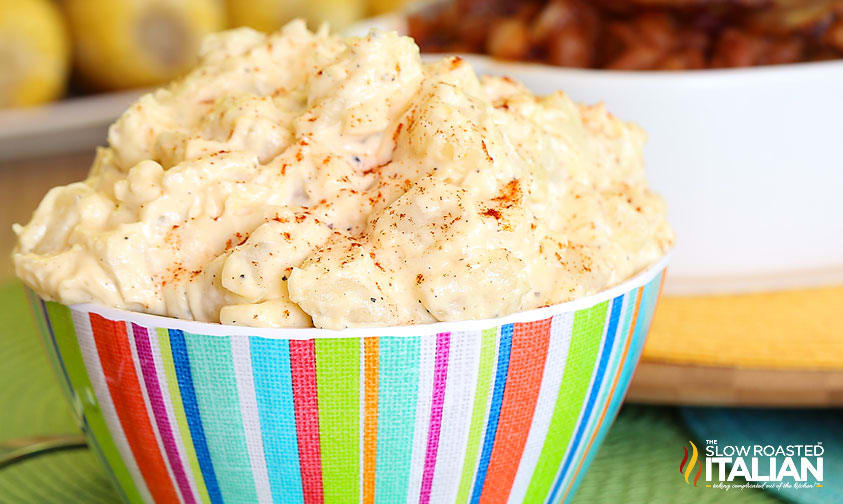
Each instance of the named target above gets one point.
<point>122,379</point>
<point>370,419</point>
<point>629,336</point>
<point>611,390</point>
<point>524,378</point>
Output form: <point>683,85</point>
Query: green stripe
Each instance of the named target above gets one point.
<point>338,388</point>
<point>481,397</point>
<point>74,365</point>
<point>582,356</point>
<point>51,347</point>
<point>178,410</point>
<point>215,385</point>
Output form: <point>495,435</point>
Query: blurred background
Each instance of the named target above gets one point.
<point>742,100</point>
<point>51,49</point>
<point>58,49</point>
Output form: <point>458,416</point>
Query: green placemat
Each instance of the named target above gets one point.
<point>32,404</point>
<point>638,462</point>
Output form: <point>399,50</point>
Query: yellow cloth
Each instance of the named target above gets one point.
<point>798,329</point>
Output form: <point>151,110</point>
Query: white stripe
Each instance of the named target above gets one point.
<point>463,366</point>
<point>561,327</point>
<point>171,415</point>
<point>161,450</point>
<point>613,367</point>
<point>496,342</point>
<point>427,360</point>
<point>88,347</point>
<point>581,419</point>
<point>242,357</point>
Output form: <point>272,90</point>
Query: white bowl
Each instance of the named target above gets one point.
<point>750,162</point>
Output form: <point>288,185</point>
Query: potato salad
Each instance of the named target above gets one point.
<point>303,179</point>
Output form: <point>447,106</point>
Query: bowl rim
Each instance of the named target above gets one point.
<point>214,329</point>
<point>766,72</point>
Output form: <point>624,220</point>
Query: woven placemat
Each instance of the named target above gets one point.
<point>797,329</point>
<point>32,404</point>
<point>637,463</point>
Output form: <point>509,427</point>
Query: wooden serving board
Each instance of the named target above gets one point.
<point>779,348</point>
<point>696,385</point>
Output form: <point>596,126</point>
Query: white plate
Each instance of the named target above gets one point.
<point>749,160</point>
<point>73,125</point>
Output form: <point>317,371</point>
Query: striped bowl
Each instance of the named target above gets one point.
<point>504,410</point>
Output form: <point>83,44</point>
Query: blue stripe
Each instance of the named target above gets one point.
<point>645,314</point>
<point>215,386</point>
<point>617,303</point>
<point>646,311</point>
<point>620,390</point>
<point>398,378</point>
<point>191,410</point>
<point>274,393</point>
<point>494,411</point>
<point>649,296</point>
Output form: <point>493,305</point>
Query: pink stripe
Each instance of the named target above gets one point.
<point>124,386</point>
<point>440,375</point>
<point>160,411</point>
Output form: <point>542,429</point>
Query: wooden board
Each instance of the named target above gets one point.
<point>694,385</point>
<point>22,185</point>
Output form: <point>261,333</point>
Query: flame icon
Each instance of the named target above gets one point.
<point>690,468</point>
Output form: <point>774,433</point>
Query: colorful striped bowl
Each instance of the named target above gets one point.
<point>504,410</point>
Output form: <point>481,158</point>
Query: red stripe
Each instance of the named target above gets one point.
<point>524,378</point>
<point>303,370</point>
<point>122,379</point>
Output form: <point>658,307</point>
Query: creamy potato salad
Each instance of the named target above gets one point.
<point>302,179</point>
